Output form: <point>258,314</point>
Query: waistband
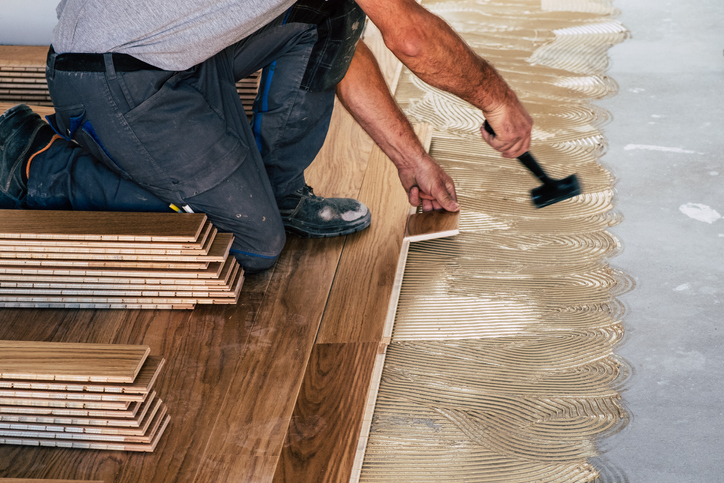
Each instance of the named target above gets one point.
<point>72,62</point>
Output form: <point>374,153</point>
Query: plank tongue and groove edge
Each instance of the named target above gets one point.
<point>432,224</point>
<point>99,225</point>
<point>141,385</point>
<point>199,247</point>
<point>62,361</point>
<point>218,252</point>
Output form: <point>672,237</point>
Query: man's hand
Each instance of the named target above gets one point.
<point>365,95</point>
<point>427,183</point>
<point>512,126</point>
<point>439,56</point>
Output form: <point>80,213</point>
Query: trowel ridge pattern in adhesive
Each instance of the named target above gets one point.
<point>502,366</point>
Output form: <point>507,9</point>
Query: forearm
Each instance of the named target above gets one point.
<point>436,54</point>
<point>366,96</point>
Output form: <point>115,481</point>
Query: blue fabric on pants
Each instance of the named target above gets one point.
<point>149,138</point>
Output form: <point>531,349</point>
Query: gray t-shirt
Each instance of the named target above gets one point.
<point>169,35</point>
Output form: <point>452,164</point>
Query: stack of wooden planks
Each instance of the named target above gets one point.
<point>22,78</point>
<point>72,259</point>
<point>88,396</point>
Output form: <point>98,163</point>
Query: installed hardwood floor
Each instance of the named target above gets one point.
<point>233,373</point>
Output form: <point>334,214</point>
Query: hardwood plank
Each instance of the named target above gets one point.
<point>33,480</point>
<point>214,270</point>
<point>80,246</point>
<point>116,294</point>
<point>322,438</point>
<point>168,290</point>
<point>63,264</point>
<point>144,424</point>
<point>432,224</point>
<point>110,306</point>
<point>146,437</point>
<point>141,385</point>
<point>130,412</point>
<point>31,394</point>
<point>358,302</point>
<point>67,403</point>
<point>115,420</point>
<point>98,445</point>
<point>23,55</point>
<point>71,362</point>
<point>98,225</point>
<point>268,378</point>
<point>217,273</point>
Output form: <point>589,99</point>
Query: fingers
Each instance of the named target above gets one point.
<point>414,196</point>
<point>428,185</point>
<point>512,126</point>
<point>509,147</point>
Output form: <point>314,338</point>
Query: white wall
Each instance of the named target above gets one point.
<point>27,22</point>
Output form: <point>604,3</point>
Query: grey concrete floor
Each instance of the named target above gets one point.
<point>666,141</point>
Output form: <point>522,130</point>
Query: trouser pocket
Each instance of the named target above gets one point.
<point>339,26</point>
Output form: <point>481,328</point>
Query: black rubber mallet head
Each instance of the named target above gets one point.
<point>552,190</point>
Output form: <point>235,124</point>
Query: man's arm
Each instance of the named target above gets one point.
<point>435,53</point>
<point>366,96</point>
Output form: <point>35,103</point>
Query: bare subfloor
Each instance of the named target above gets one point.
<point>665,147</point>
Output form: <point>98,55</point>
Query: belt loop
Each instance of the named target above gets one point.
<point>110,68</point>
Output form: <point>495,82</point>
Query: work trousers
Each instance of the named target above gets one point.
<point>142,140</point>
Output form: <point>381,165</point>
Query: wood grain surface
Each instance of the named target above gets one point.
<point>71,361</point>
<point>99,225</point>
<point>432,224</point>
<point>34,480</point>
<point>233,372</point>
<point>357,306</point>
<point>322,438</point>
<point>23,55</point>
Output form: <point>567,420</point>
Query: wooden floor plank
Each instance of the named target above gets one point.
<point>23,55</point>
<point>358,302</point>
<point>259,404</point>
<point>33,480</point>
<point>144,422</point>
<point>97,445</point>
<point>76,433</point>
<point>121,264</point>
<point>141,385</point>
<point>432,224</point>
<point>322,438</point>
<point>199,247</point>
<point>214,270</point>
<point>71,362</point>
<point>97,225</point>
<point>15,415</point>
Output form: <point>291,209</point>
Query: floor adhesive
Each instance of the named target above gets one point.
<point>502,365</point>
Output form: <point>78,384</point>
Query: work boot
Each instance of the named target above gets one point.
<point>22,134</point>
<point>310,216</point>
